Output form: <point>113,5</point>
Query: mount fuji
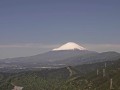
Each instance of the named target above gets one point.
<point>67,54</point>
<point>70,46</point>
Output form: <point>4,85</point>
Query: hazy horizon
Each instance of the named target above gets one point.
<point>30,27</point>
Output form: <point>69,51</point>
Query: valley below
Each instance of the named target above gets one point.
<point>80,77</point>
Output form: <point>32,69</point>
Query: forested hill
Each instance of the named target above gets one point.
<point>83,77</point>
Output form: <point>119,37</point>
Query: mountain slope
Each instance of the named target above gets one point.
<point>64,57</point>
<point>49,57</point>
<point>91,58</point>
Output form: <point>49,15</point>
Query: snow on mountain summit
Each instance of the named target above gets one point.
<point>70,46</point>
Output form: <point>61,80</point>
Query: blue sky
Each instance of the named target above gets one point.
<point>29,27</point>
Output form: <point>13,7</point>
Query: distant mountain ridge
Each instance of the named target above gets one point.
<point>92,58</point>
<point>73,55</point>
<point>51,56</point>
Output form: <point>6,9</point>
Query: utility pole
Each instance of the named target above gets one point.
<point>103,72</point>
<point>111,84</point>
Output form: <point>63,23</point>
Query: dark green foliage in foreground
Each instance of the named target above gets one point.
<point>83,78</point>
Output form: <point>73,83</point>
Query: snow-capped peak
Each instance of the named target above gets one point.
<point>70,46</point>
